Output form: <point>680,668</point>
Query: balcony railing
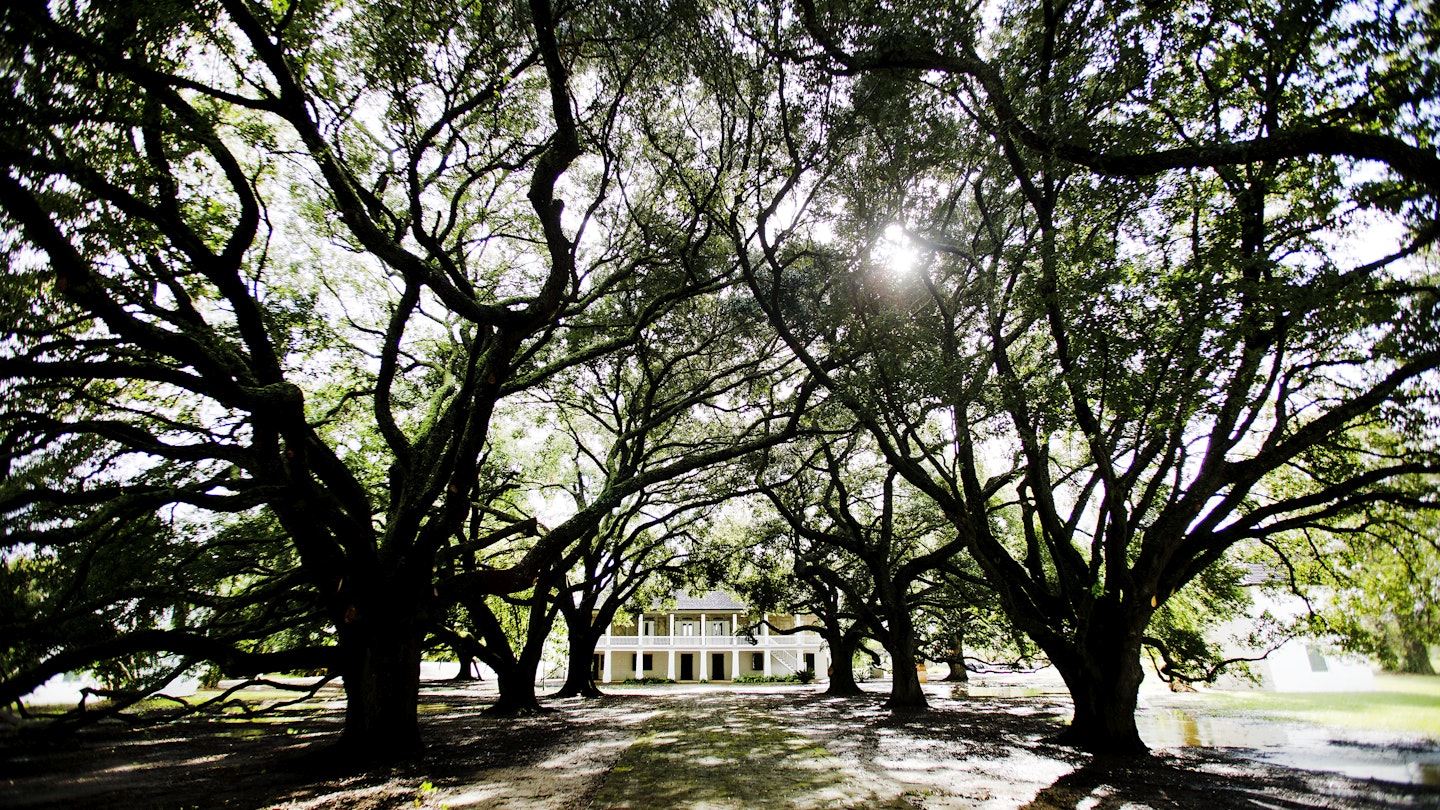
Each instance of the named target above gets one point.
<point>707,642</point>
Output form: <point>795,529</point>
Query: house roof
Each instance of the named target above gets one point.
<point>1258,574</point>
<point>711,600</point>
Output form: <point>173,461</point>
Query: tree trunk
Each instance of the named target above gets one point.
<point>1417,657</point>
<point>579,680</point>
<point>956,660</point>
<point>842,668</point>
<point>517,691</point>
<point>517,681</point>
<point>467,667</point>
<point>1103,674</point>
<point>380,651</point>
<point>905,691</point>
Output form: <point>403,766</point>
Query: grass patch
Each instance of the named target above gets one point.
<point>1400,703</point>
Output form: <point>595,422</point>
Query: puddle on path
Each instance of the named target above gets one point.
<point>1292,745</point>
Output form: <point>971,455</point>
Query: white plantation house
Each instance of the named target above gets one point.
<point>1299,664</point>
<point>701,639</point>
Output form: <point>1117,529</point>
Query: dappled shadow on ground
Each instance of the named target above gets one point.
<point>1213,779</point>
<point>997,753</point>
<point>693,747</point>
<point>469,761</point>
<point>727,751</point>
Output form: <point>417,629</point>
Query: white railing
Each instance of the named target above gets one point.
<point>707,642</point>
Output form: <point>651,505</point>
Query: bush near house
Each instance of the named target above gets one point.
<point>770,679</point>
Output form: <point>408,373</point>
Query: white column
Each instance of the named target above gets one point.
<point>640,645</point>
<point>670,668</point>
<point>734,646</point>
<point>765,636</point>
<point>704,653</point>
<point>605,673</point>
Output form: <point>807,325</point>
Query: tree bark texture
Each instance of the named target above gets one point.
<point>1103,673</point>
<point>579,680</point>
<point>842,667</point>
<point>905,691</point>
<point>517,691</point>
<point>380,649</point>
<point>956,660</point>
<point>1416,660</point>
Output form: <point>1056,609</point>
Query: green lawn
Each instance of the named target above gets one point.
<point>1400,703</point>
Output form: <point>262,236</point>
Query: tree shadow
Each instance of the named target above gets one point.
<point>1206,779</point>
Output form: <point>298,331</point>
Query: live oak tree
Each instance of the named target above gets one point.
<point>772,570</point>
<point>1368,581</point>
<point>639,435</point>
<point>860,531</point>
<point>191,195</point>
<point>633,548</point>
<point>959,621</point>
<point>1379,595</point>
<point>1139,323</point>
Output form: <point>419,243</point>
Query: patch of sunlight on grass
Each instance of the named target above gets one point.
<point>1400,703</point>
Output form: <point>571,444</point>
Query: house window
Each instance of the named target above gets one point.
<point>649,662</point>
<point>1317,661</point>
<point>635,663</point>
<point>687,628</point>
<point>757,661</point>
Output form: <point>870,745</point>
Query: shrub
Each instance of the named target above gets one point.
<point>646,681</point>
<point>805,675</point>
<point>768,678</point>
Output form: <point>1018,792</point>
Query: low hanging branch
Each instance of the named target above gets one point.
<point>230,659</point>
<point>1169,671</point>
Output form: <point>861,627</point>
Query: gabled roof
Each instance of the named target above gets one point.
<point>712,600</point>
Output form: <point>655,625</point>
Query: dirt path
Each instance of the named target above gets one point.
<point>722,750</point>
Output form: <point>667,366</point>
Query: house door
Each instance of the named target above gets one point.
<point>717,666</point>
<point>687,667</point>
<point>597,666</point>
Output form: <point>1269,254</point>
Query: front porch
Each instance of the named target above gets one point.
<point>703,658</point>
